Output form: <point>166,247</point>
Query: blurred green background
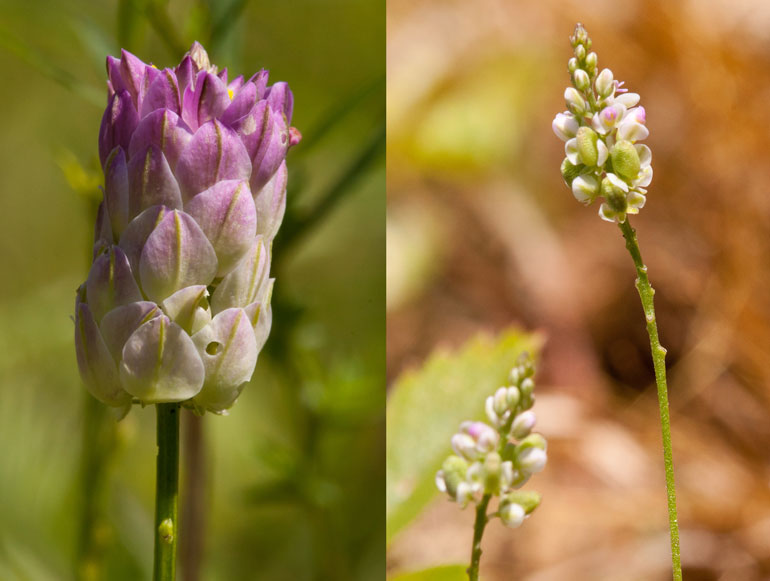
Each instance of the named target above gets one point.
<point>293,483</point>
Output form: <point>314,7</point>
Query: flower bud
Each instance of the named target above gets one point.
<point>523,424</point>
<point>497,408</point>
<point>625,160</point>
<point>572,65</point>
<point>500,402</point>
<point>526,499</point>
<point>565,126</point>
<point>581,80</point>
<point>592,62</point>
<point>512,397</point>
<point>465,446</point>
<point>580,53</point>
<point>585,188</point>
<point>527,398</point>
<point>492,472</point>
<point>532,460</point>
<point>512,515</point>
<point>451,474</point>
<point>605,83</point>
<point>580,36</point>
<point>574,100</point>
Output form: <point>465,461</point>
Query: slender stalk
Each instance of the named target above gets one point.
<point>478,531</point>
<point>166,492</point>
<point>191,545</point>
<point>646,293</point>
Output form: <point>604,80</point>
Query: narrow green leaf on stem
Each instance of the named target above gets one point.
<point>646,293</point>
<point>166,492</point>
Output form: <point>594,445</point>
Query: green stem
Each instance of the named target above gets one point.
<point>646,293</point>
<point>478,531</point>
<point>166,492</point>
<point>191,546</point>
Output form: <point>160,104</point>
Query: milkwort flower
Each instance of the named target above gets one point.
<point>601,129</point>
<point>498,458</point>
<point>176,306</point>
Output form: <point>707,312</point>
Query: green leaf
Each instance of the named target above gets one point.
<point>443,573</point>
<point>426,407</point>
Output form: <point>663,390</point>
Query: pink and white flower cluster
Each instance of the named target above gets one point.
<point>602,128</point>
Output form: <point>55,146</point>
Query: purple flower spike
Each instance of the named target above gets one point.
<point>118,124</point>
<point>229,352</point>
<point>177,303</point>
<point>96,365</point>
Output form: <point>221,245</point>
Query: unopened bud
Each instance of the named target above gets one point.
<point>512,515</point>
<point>451,474</point>
<point>532,460</point>
<point>523,424</point>
<point>585,188</point>
<point>605,83</point>
<point>581,80</point>
<point>492,473</point>
<point>591,62</point>
<point>526,499</point>
<point>574,100</point>
<point>512,397</point>
<point>565,126</point>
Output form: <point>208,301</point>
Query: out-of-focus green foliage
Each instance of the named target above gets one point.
<point>445,573</point>
<point>295,478</point>
<point>427,405</point>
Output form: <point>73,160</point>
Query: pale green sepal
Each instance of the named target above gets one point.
<point>625,160</point>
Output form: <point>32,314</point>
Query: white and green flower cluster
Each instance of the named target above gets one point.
<point>498,457</point>
<point>602,127</point>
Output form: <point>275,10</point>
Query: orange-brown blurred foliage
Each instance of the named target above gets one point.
<point>482,233</point>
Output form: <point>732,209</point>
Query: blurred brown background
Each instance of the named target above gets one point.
<point>483,233</point>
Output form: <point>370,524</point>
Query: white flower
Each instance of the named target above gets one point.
<point>606,120</point>
<point>628,100</point>
<point>632,127</point>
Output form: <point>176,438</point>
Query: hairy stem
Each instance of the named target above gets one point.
<point>646,293</point>
<point>478,531</point>
<point>166,492</point>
